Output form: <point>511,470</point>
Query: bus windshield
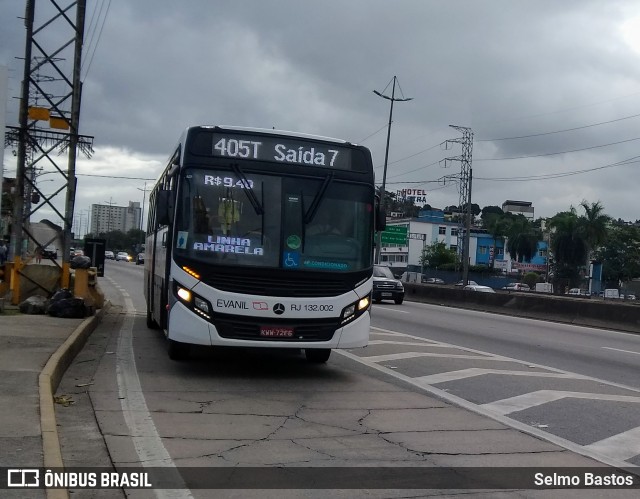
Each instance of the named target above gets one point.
<point>273,221</point>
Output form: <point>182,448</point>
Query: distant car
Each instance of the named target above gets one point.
<point>140,259</point>
<point>478,288</point>
<point>77,252</point>
<point>433,280</point>
<point>50,252</point>
<point>631,297</point>
<point>386,286</point>
<point>578,292</point>
<point>109,255</point>
<point>123,256</point>
<point>517,286</point>
<point>471,283</point>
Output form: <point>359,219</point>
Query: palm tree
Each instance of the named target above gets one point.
<point>497,225</point>
<point>567,243</point>
<point>522,239</point>
<point>593,227</point>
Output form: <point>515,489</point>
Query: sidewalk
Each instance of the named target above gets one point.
<point>35,350</point>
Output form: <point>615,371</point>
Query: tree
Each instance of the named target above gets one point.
<point>567,244</point>
<point>593,227</point>
<point>522,238</point>
<point>436,255</point>
<point>488,211</point>
<point>620,254</point>
<point>498,226</point>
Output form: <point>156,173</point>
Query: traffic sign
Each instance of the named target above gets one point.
<point>395,234</point>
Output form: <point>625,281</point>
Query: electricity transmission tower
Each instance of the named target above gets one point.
<point>465,177</point>
<point>49,119</point>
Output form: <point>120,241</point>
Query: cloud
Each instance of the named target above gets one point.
<point>502,68</point>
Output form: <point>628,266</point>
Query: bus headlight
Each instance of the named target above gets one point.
<point>202,306</point>
<point>196,303</point>
<point>350,312</point>
<point>184,294</point>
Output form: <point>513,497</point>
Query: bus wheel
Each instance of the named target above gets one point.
<point>178,350</point>
<point>317,355</point>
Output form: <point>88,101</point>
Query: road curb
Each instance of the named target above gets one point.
<point>48,382</point>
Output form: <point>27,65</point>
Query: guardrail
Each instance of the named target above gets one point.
<point>609,314</point>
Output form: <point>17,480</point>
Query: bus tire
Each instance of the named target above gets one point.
<point>178,350</point>
<point>317,355</point>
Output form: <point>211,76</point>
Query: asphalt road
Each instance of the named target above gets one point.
<point>366,407</point>
<point>609,355</point>
<point>579,385</point>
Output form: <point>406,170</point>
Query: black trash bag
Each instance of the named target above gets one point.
<point>80,262</point>
<point>33,305</point>
<point>61,294</point>
<point>68,308</point>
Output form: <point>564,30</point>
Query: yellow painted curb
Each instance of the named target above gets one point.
<point>48,382</point>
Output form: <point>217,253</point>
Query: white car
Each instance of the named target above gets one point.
<point>470,283</point>
<point>123,256</point>
<point>109,255</point>
<point>478,288</point>
<point>517,286</point>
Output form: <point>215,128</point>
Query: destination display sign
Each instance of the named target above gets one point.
<point>289,150</point>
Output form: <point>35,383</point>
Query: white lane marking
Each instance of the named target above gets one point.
<point>623,445</point>
<point>531,364</point>
<point>512,423</point>
<point>620,350</point>
<point>528,400</point>
<point>410,355</point>
<point>434,379</point>
<point>390,309</point>
<point>146,440</point>
<point>396,342</point>
<point>611,460</point>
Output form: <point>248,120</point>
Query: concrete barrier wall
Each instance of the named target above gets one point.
<point>582,311</point>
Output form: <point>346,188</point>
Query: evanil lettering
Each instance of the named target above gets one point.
<point>222,244</point>
<point>305,156</point>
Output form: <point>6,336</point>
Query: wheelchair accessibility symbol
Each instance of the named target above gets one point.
<point>291,259</point>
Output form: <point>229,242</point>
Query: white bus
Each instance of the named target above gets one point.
<point>262,238</point>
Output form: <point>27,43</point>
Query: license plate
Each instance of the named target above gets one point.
<point>387,294</point>
<point>276,331</point>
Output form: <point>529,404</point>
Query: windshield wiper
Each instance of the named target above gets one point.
<point>315,204</point>
<point>253,199</point>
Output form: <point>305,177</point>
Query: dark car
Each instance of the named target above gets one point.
<point>140,259</point>
<point>386,286</point>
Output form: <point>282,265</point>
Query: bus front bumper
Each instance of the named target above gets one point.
<point>186,327</point>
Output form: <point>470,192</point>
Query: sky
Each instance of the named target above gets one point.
<point>550,90</point>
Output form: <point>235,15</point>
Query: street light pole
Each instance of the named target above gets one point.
<point>386,158</point>
<point>144,196</point>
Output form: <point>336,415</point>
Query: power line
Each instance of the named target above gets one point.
<point>547,176</point>
<point>559,131</point>
<point>369,136</point>
<point>104,19</point>
<point>419,168</point>
<point>561,152</point>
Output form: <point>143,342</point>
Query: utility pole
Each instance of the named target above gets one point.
<point>383,200</point>
<point>36,144</point>
<point>465,179</point>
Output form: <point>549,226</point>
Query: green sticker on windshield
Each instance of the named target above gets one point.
<point>294,242</point>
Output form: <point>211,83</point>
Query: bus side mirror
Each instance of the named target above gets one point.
<point>164,207</point>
